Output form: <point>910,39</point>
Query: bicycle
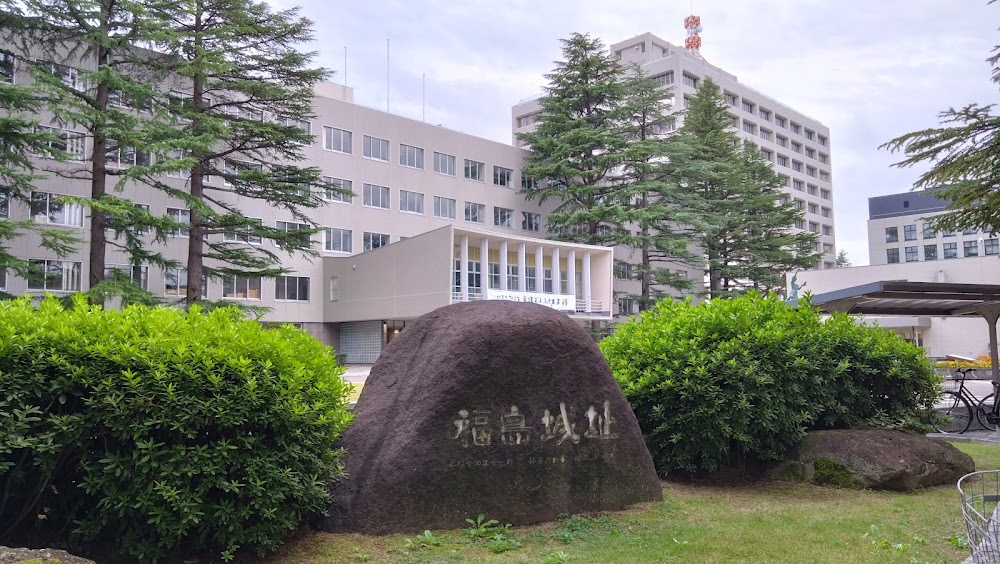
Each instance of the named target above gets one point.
<point>956,407</point>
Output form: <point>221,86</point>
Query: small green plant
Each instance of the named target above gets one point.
<point>556,558</point>
<point>480,527</point>
<point>959,542</point>
<point>423,540</point>
<point>503,542</point>
<point>874,536</point>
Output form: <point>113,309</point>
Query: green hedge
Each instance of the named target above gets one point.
<point>747,377</point>
<point>160,431</point>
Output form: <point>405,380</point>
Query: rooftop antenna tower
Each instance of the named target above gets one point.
<point>692,43</point>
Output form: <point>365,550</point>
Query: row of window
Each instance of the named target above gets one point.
<point>950,251</point>
<point>475,277</point>
<point>812,208</point>
<point>783,159</point>
<point>374,148</point>
<point>910,233</point>
<point>65,276</point>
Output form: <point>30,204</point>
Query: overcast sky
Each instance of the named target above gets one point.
<point>870,70</point>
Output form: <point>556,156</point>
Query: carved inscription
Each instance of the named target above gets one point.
<point>475,429</point>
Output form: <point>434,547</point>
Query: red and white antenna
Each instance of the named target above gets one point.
<point>692,43</point>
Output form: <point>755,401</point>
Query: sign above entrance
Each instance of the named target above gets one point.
<point>561,302</point>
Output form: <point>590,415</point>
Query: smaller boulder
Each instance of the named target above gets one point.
<point>874,458</point>
<point>39,555</point>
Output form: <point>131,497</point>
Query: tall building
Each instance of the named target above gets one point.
<point>797,145</point>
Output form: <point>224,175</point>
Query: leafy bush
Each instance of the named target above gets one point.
<point>161,431</point>
<point>714,382</point>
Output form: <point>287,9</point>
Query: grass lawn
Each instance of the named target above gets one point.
<point>764,522</point>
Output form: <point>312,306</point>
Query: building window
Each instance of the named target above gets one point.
<point>930,252</point>
<point>799,185</point>
<point>531,221</point>
<point>528,183</point>
<point>338,140</point>
<point>800,223</point>
<point>910,232</point>
<point>242,235</point>
<point>529,278</point>
<point>690,80</point>
<point>796,128</point>
<point>947,233</point>
<point>58,275</point>
<point>626,306</point>
<point>747,106</point>
<point>764,114</point>
<point>444,164</point>
<point>512,277</point>
<point>969,232</point>
<point>811,171</point>
<point>665,79</point>
<point>824,193</point>
<point>410,156</point>
<point>175,282</point>
<point>293,227</point>
<point>503,177</point>
<point>811,189</point>
<point>525,121</point>
<point>375,148</point>
<point>891,234</point>
<point>234,170</point>
<point>139,275</point>
<point>241,287</point>
<point>810,152</point>
<point>125,157</point>
<point>732,99</point>
<point>3,279</point>
<point>475,170</point>
<point>767,154</point>
<point>929,232</point>
<point>475,213</point>
<point>828,249</point>
<point>292,288</point>
<point>950,250</point>
<point>45,209</point>
<point>337,240</point>
<point>687,102</point>
<point>813,227</point>
<point>822,140</point>
<point>827,231</point>
<point>827,212</point>
<point>780,121</point>
<point>749,127</point>
<point>338,191</point>
<point>373,241</point>
<point>72,143</point>
<point>7,68</point>
<point>334,288</point>
<point>892,256</point>
<point>411,202</point>
<point>800,204</point>
<point>970,248</point>
<point>813,208</point>
<point>766,135</point>
<point>444,207</point>
<point>810,134</point>
<point>376,196</point>
<point>782,160</point>
<point>824,158</point>
<point>824,176</point>
<point>503,217</point>
<point>911,254</point>
<point>179,215</point>
<point>4,206</point>
<point>991,246</point>
<point>797,147</point>
<point>796,166</point>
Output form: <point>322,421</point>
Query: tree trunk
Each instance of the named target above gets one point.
<point>97,258</point>
<point>196,238</point>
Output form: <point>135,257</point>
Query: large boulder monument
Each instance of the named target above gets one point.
<point>494,407</point>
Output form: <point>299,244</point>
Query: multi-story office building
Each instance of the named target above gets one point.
<point>903,246</point>
<point>899,231</point>
<point>435,219</point>
<point>797,145</point>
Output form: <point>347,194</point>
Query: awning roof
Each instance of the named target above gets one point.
<point>910,298</point>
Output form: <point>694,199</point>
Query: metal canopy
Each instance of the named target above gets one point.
<point>889,297</point>
<point>939,299</point>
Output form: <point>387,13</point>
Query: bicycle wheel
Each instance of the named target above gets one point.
<point>982,408</point>
<point>954,413</point>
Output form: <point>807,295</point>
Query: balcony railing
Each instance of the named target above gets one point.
<point>596,306</point>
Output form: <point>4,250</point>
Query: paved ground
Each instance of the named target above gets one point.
<point>357,373</point>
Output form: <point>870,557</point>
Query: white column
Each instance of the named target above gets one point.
<point>522,262</point>
<point>539,270</point>
<point>571,275</point>
<point>586,282</point>
<point>556,273</point>
<point>464,268</point>
<point>503,265</point>
<point>484,266</point>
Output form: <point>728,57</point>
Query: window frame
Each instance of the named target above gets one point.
<point>281,288</point>
<point>405,198</point>
<point>368,148</point>
<point>328,131</point>
<point>472,165</point>
<point>344,235</point>
<point>408,151</point>
<point>368,197</point>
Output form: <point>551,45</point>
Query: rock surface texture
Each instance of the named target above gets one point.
<point>17,555</point>
<point>876,458</point>
<point>502,408</point>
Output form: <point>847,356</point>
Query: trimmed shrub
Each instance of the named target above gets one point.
<point>161,431</point>
<point>747,377</point>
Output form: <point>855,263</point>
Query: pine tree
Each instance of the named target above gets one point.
<point>965,157</point>
<point>656,206</point>
<point>245,89</point>
<point>745,228</point>
<point>579,145</point>
<point>96,82</point>
<point>843,261</point>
